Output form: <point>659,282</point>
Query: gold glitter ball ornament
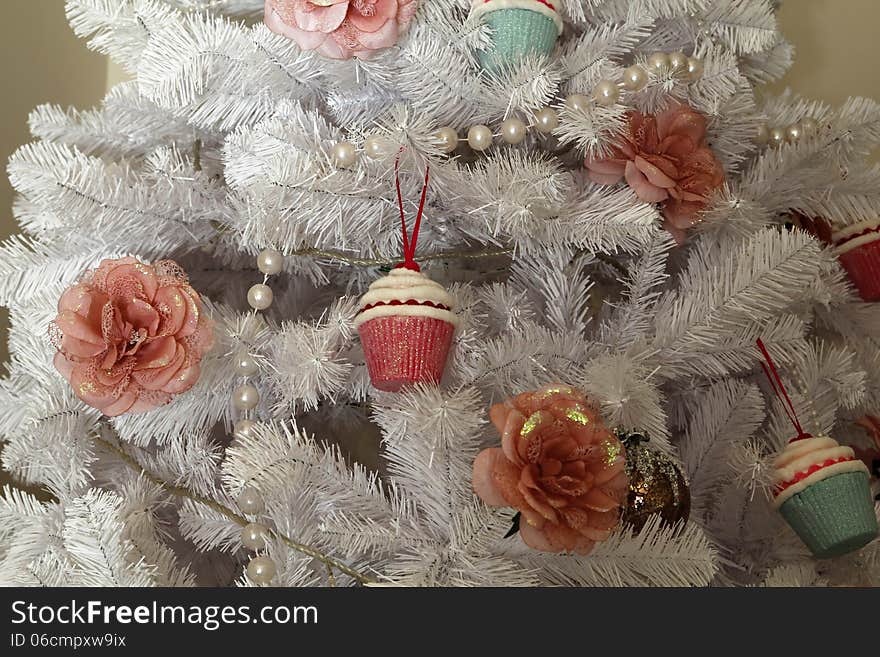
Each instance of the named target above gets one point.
<point>656,486</point>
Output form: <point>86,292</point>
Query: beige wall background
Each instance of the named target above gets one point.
<point>42,61</point>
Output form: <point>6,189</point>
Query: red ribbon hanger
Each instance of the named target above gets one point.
<point>781,393</point>
<point>409,246</point>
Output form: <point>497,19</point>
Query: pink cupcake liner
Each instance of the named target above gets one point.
<point>863,266</point>
<point>402,351</point>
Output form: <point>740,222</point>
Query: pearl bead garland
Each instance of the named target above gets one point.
<point>606,93</point>
<point>243,428</point>
<point>246,397</point>
<point>694,68</point>
<point>678,61</point>
<point>447,138</point>
<point>779,135</point>
<point>577,102</point>
<point>546,120</point>
<point>344,154</point>
<point>246,366</point>
<point>261,570</point>
<point>377,147</point>
<point>513,131</point>
<point>260,296</point>
<point>479,137</point>
<point>658,63</point>
<point>249,501</point>
<point>635,78</point>
<point>270,262</point>
<point>253,536</point>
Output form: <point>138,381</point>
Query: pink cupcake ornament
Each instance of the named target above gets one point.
<point>858,249</point>
<point>406,321</point>
<point>341,29</point>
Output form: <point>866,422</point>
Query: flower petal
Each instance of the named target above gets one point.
<point>384,37</point>
<point>642,187</point>
<point>79,327</point>
<point>121,405</point>
<point>141,314</point>
<point>653,173</point>
<point>158,352</point>
<point>315,18</point>
<point>495,479</point>
<point>598,500</point>
<point>382,12</point>
<point>124,278</point>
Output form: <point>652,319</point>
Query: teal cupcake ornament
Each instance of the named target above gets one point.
<point>519,28</point>
<point>821,489</point>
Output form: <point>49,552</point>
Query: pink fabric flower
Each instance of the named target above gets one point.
<point>130,335</point>
<point>341,29</point>
<point>665,159</point>
<point>558,465</point>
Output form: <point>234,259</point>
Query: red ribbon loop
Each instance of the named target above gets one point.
<point>781,393</point>
<point>409,245</point>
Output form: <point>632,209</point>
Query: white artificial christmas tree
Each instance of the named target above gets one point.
<point>231,141</point>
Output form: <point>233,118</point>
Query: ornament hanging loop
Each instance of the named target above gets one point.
<point>627,437</point>
<point>781,393</point>
<point>409,244</point>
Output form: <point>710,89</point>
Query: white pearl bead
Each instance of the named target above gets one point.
<point>447,138</point>
<point>606,93</point>
<point>245,365</point>
<point>658,63</point>
<point>777,136</point>
<point>260,296</point>
<point>243,429</point>
<point>577,102</point>
<point>513,131</point>
<point>245,397</point>
<point>253,536</point>
<point>809,125</point>
<point>678,61</point>
<point>794,132</point>
<point>480,137</point>
<point>261,570</point>
<point>635,78</point>
<point>546,120</point>
<point>249,501</point>
<point>344,154</point>
<point>694,68</point>
<point>270,262</point>
<point>377,147</point>
<point>763,135</point>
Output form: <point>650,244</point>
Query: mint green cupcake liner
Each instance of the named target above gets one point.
<point>516,34</point>
<point>833,516</point>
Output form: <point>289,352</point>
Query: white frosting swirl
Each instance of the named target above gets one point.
<point>801,455</point>
<point>404,285</point>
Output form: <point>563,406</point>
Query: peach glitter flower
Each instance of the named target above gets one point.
<point>558,465</point>
<point>341,29</point>
<point>665,159</point>
<point>130,335</point>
